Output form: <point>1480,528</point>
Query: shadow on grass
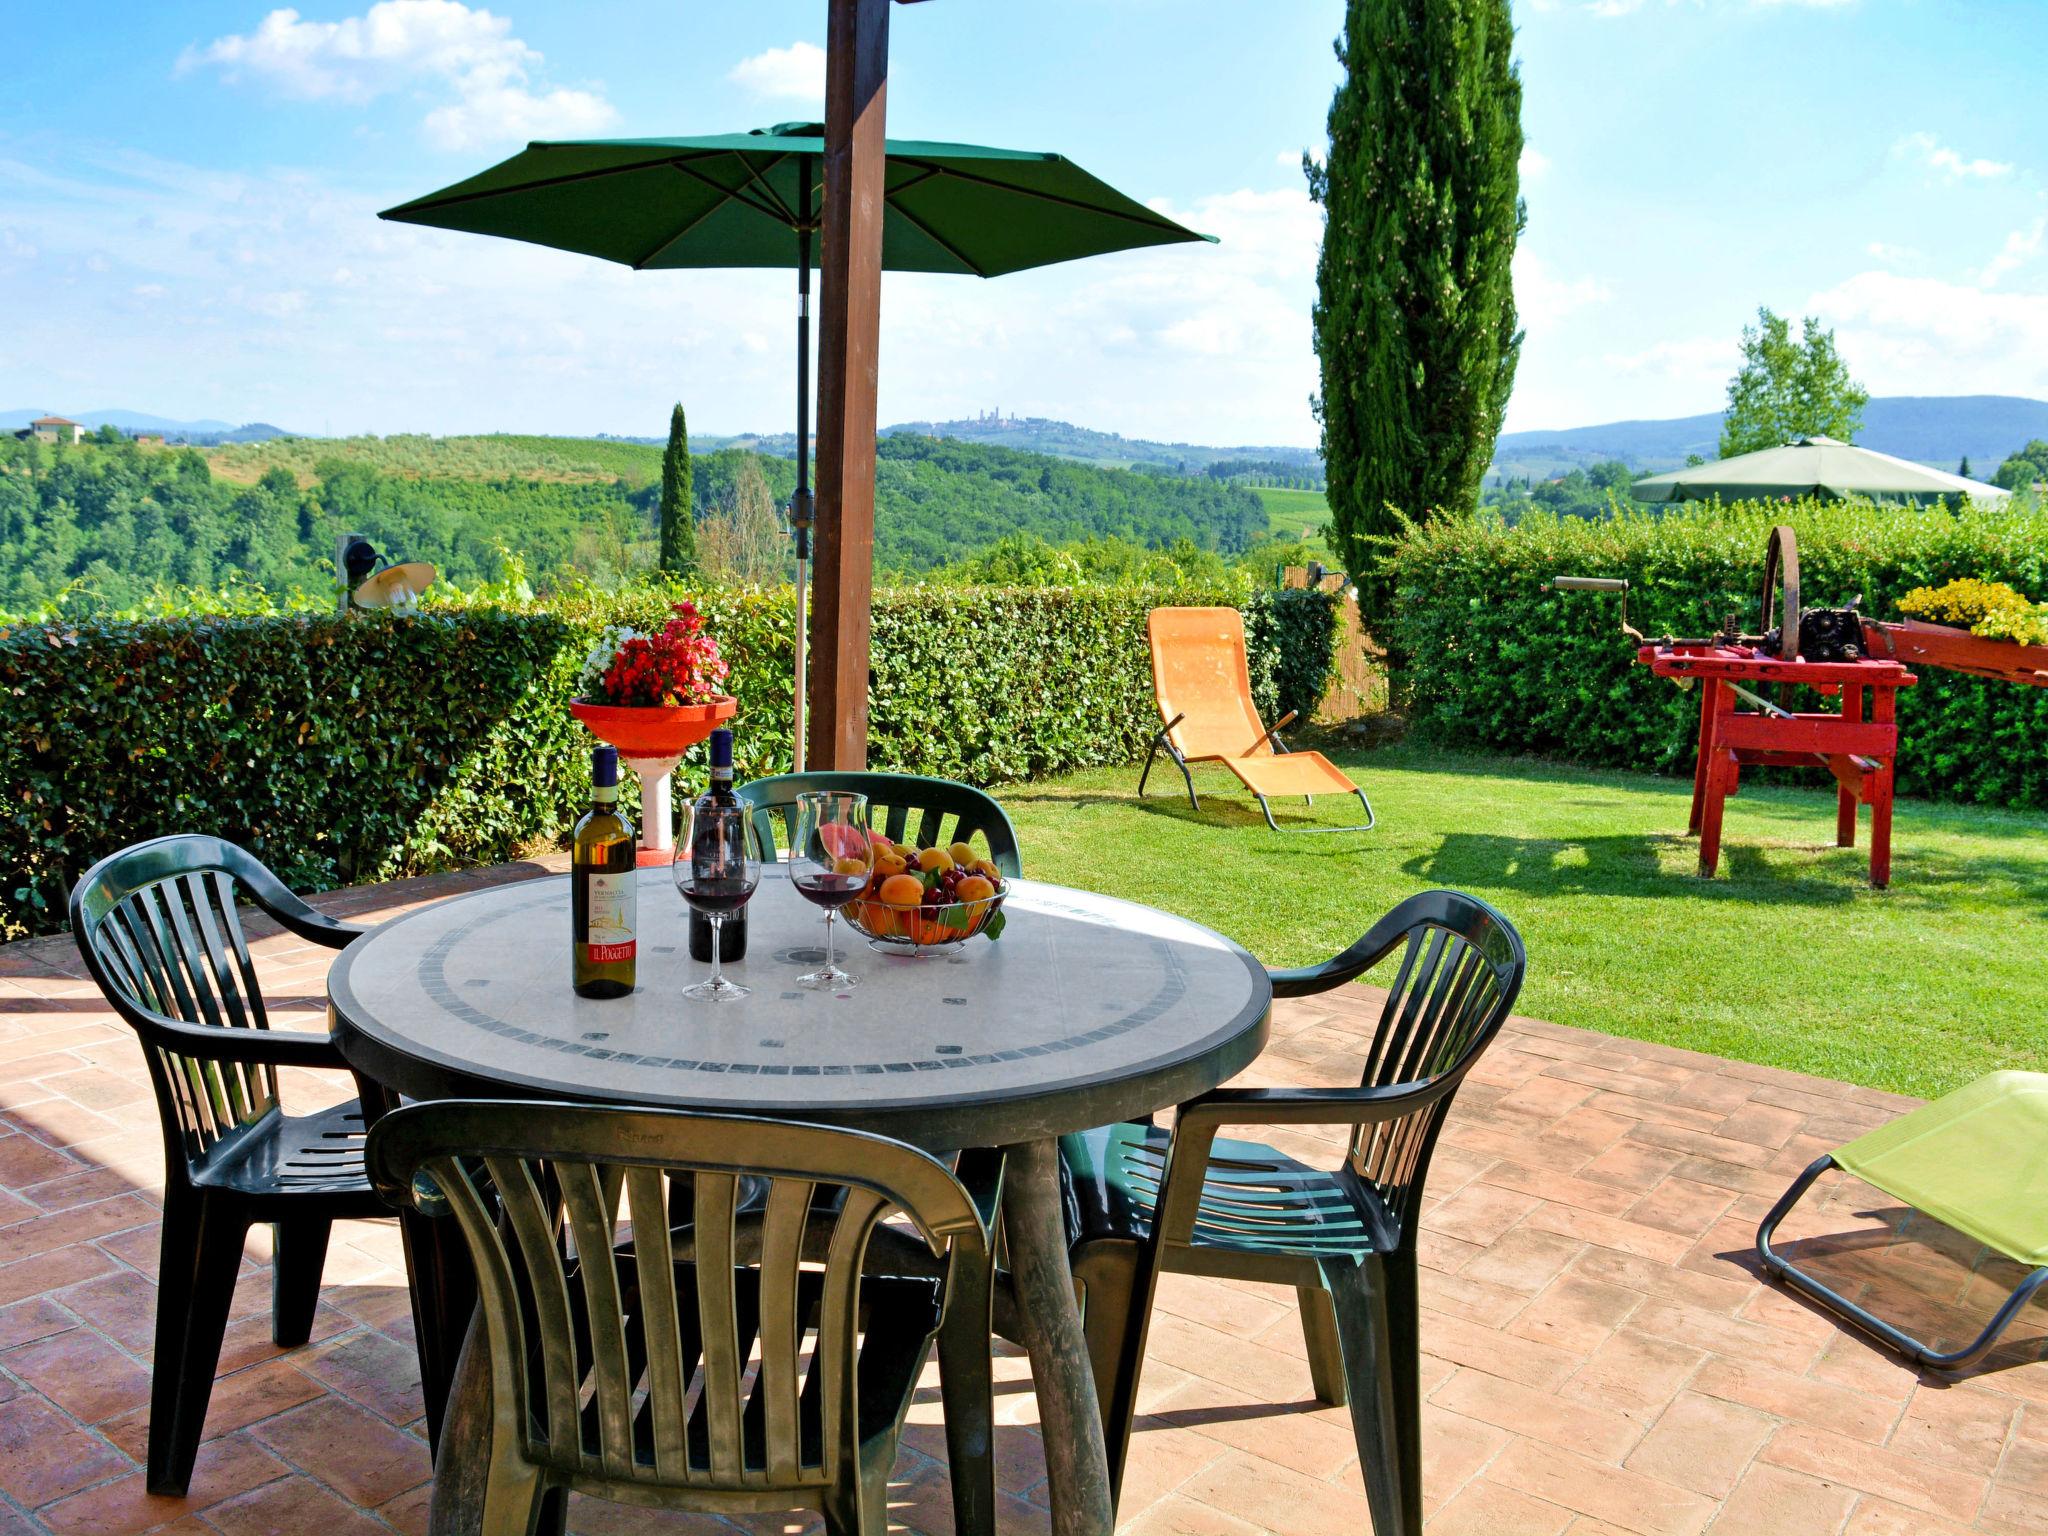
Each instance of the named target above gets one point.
<point>1221,813</point>
<point>1638,864</point>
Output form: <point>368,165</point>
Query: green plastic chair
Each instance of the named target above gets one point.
<point>1976,1160</point>
<point>1143,1200</point>
<point>159,926</point>
<point>946,810</point>
<point>731,1357</point>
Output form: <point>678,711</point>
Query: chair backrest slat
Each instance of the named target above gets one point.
<point>546,1291</point>
<point>1461,968</point>
<point>679,1360</point>
<point>782,1328</point>
<point>668,1373</point>
<point>718,1318</point>
<point>903,807</point>
<point>838,1316</point>
<point>159,927</point>
<point>592,1226</point>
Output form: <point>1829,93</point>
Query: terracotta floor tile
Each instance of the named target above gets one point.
<point>1769,1501</point>
<point>1600,1433</point>
<point>1619,1497</point>
<point>1788,1396</point>
<point>1484,1508</point>
<point>81,1373</point>
<point>290,1506</point>
<point>1923,1485</point>
<point>1702,1443</point>
<point>224,1468</point>
<point>360,1456</point>
<point>1575,1314</point>
<point>44,1455</point>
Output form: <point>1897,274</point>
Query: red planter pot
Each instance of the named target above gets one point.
<point>653,730</point>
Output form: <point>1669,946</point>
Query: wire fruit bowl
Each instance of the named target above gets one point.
<point>917,930</point>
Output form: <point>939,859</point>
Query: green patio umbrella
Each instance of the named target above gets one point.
<point>753,200</point>
<point>1812,466</point>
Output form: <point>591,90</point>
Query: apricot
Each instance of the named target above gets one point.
<point>963,854</point>
<point>889,862</point>
<point>974,888</point>
<point>902,891</point>
<point>847,865</point>
<point>934,861</point>
<point>987,870</point>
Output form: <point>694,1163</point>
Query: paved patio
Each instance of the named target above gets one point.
<point>1600,1355</point>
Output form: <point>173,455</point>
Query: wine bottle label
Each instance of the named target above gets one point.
<point>613,908</point>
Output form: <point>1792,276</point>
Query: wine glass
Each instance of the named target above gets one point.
<point>830,855</point>
<point>717,867</point>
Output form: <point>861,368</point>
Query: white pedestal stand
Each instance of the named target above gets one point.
<point>657,818</point>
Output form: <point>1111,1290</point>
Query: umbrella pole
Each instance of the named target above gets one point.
<point>800,509</point>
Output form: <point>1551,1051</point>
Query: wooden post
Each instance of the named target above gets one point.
<point>849,334</point>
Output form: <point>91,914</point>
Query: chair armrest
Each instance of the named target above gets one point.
<point>1308,1106</point>
<point>1379,941</point>
<point>1272,734</point>
<point>290,909</point>
<point>274,1047</point>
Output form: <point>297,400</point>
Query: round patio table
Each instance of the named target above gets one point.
<point>1088,1010</point>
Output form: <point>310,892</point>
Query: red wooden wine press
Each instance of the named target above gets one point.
<point>1838,653</point>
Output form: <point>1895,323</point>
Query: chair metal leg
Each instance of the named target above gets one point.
<point>300,1250</point>
<point>1364,826</point>
<point>201,1251</point>
<point>1363,1328</point>
<point>1325,1350</point>
<point>1778,1267</point>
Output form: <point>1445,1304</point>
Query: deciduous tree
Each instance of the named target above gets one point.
<point>1787,389</point>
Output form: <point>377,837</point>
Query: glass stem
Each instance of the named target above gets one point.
<point>718,950</point>
<point>830,913</point>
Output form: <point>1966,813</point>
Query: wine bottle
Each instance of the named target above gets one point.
<point>603,888</point>
<point>733,940</point>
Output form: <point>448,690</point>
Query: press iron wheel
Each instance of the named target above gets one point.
<point>1781,591</point>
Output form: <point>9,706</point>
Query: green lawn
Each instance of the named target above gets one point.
<point>1786,959</point>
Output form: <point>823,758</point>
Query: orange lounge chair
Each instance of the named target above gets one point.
<point>1204,688</point>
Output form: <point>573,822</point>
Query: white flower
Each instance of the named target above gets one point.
<point>598,660</point>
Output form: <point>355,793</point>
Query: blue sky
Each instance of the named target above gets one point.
<point>187,196</point>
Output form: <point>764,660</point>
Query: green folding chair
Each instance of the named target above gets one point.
<point>1976,1160</point>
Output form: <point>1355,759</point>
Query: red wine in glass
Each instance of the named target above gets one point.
<point>829,857</point>
<point>829,889</point>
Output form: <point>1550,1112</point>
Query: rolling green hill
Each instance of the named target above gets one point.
<point>498,456</point>
<point>116,521</point>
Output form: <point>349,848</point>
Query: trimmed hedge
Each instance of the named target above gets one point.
<point>341,751</point>
<point>1487,657</point>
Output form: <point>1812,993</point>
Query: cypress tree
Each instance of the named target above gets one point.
<point>1415,307</point>
<point>678,517</point>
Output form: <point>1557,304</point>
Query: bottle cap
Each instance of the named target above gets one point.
<point>604,768</point>
<point>721,748</point>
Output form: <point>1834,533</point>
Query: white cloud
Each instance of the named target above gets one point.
<point>1697,364</point>
<point>2021,247</point>
<point>422,45</point>
<point>1534,163</point>
<point>1542,298</point>
<point>1892,253</point>
<point>1926,336</point>
<point>314,314</point>
<point>1935,155</point>
<point>795,73</point>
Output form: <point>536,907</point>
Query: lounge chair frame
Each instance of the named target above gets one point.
<point>1779,1268</point>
